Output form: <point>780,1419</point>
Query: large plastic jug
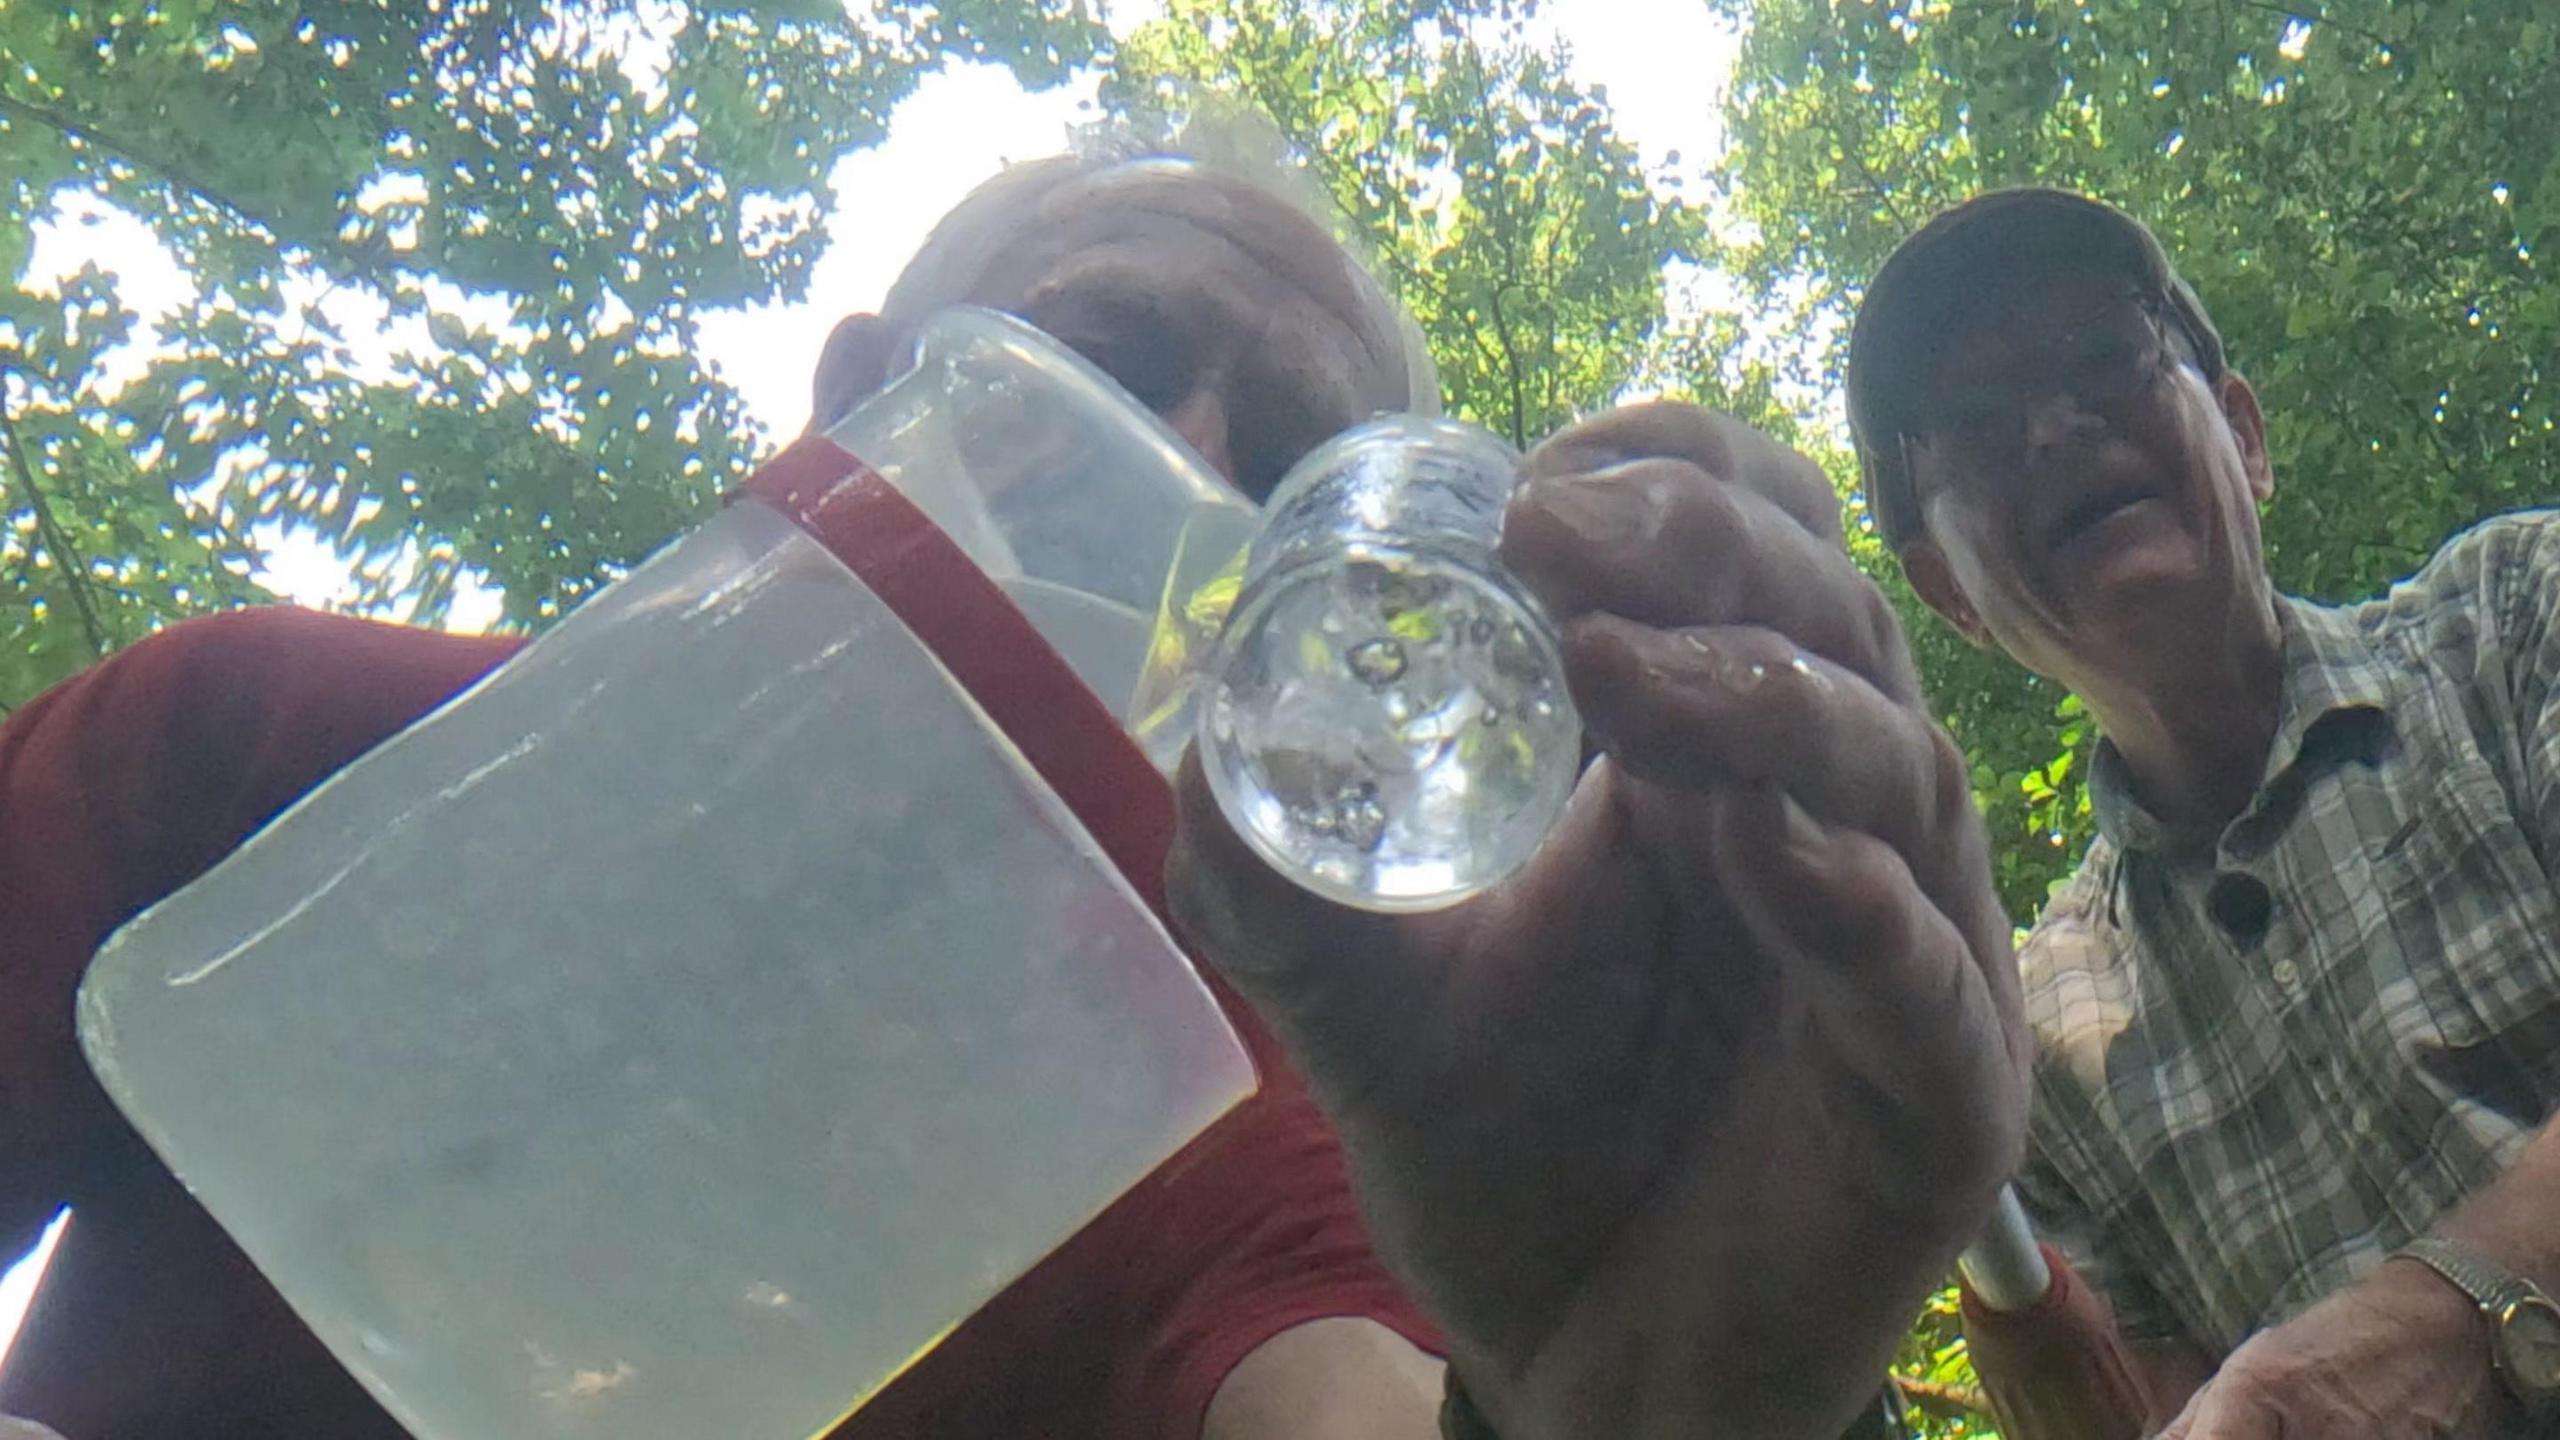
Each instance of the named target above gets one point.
<point>679,1032</point>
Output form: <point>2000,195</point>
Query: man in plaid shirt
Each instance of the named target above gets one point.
<point>2298,1014</point>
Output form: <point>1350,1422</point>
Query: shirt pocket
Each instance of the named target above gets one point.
<point>2457,924</point>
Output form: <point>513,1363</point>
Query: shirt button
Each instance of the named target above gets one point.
<point>2362,1120</point>
<point>2286,974</point>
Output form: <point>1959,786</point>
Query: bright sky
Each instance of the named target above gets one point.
<point>1664,63</point>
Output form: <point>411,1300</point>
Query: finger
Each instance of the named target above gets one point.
<point>1897,1003</point>
<point>1710,706</point>
<point>1664,542</point>
<point>1878,962</point>
<point>1718,444</point>
<point>2227,1408</point>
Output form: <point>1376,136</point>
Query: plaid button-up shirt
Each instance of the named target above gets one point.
<point>2274,1051</point>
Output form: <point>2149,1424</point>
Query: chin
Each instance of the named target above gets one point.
<point>2148,609</point>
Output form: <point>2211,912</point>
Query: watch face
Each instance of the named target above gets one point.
<point>2530,1340</point>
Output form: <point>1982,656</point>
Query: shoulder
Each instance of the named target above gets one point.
<point>2493,574</point>
<point>2071,936</point>
<point>287,650</point>
<point>2518,541</point>
<point>167,753</point>
<point>2076,974</point>
<point>242,683</point>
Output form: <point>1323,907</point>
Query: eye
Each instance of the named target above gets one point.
<point>1150,364</point>
<point>1137,340</point>
<point>2105,362</point>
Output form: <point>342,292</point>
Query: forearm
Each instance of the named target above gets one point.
<point>1336,1379</point>
<point>2515,1220</point>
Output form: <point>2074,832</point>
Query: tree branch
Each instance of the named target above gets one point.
<point>1946,1402</point>
<point>2320,17</point>
<point>131,154</point>
<point>1857,158</point>
<point>1336,174</point>
<point>1510,268</point>
<point>71,128</point>
<point>75,570</point>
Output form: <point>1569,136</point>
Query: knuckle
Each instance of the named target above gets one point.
<point>1797,698</point>
<point>1795,484</point>
<point>1878,627</point>
<point>1703,512</point>
<point>1950,778</point>
<point>1669,484</point>
<point>1871,897</point>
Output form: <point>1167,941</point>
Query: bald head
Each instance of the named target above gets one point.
<point>1218,304</point>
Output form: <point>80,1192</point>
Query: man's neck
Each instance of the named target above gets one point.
<point>2194,729</point>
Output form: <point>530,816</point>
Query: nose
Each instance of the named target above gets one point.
<point>2056,420</point>
<point>1201,420</point>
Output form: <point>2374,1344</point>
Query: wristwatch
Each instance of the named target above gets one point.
<point>2524,1324</point>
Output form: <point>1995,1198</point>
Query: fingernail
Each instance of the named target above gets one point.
<point>1600,507</point>
<point>1735,674</point>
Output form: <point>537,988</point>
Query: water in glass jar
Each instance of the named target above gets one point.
<point>1388,723</point>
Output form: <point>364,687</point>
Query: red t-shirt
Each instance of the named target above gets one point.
<point>127,782</point>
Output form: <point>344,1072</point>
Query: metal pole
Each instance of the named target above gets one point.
<point>2004,1269</point>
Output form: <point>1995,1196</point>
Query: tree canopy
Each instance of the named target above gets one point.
<point>557,189</point>
<point>1492,190</point>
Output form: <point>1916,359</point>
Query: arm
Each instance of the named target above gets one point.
<point>2402,1343</point>
<point>1676,1129</point>
<point>116,789</point>
<point>1338,1379</point>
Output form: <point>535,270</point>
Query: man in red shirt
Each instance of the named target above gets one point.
<point>1231,1295</point>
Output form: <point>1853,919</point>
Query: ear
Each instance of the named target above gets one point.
<point>1934,581</point>
<point>2249,428</point>
<point>852,367</point>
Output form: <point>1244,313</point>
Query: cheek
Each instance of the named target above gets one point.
<point>1286,400</point>
<point>1978,550</point>
<point>1993,582</point>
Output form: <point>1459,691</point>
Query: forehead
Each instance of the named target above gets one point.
<point>1982,334</point>
<point>1173,221</point>
<point>1183,245</point>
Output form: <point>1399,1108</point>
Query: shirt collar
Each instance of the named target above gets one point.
<point>2330,666</point>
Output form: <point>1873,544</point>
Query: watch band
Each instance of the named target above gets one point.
<point>2497,1291</point>
<point>2489,1287</point>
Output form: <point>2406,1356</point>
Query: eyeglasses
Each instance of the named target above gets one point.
<point>2105,361</point>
